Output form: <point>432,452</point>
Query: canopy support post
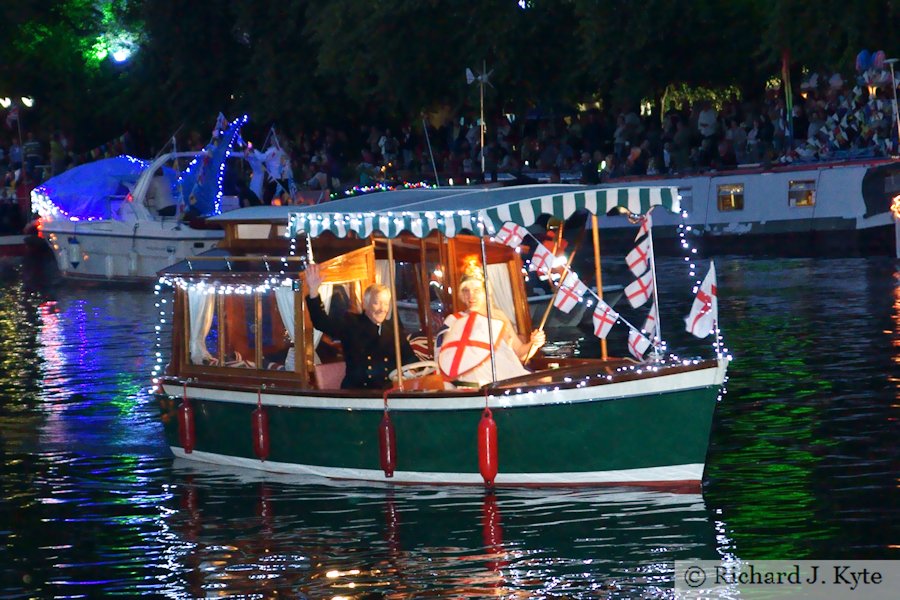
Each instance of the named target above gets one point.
<point>488,303</point>
<point>395,317</point>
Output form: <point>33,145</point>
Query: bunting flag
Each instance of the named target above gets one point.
<point>511,234</point>
<point>220,126</point>
<point>542,260</point>
<point>604,318</point>
<point>640,290</point>
<point>571,292</point>
<point>637,344</point>
<point>705,310</point>
<point>638,260</point>
<point>644,229</point>
<point>650,323</point>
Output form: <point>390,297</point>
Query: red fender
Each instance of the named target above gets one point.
<point>186,424</point>
<point>259,423</point>
<point>487,447</point>
<point>387,445</point>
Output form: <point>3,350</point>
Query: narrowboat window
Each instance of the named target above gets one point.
<point>802,193</point>
<point>687,198</point>
<point>731,197</point>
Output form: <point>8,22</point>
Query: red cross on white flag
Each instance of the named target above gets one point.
<point>639,290</point>
<point>638,260</point>
<point>570,293</point>
<point>644,229</point>
<point>511,234</point>
<point>604,318</point>
<point>637,344</point>
<point>705,310</point>
<point>541,260</point>
<point>650,324</point>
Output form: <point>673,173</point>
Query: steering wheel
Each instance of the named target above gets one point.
<point>416,369</point>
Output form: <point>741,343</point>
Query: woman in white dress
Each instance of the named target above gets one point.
<point>464,354</point>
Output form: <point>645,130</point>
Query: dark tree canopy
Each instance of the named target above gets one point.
<point>309,63</point>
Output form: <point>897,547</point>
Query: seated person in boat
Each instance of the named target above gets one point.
<point>367,338</point>
<point>464,356</point>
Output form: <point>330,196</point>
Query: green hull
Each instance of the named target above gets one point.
<point>571,438</point>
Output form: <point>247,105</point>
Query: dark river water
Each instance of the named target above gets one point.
<point>803,464</point>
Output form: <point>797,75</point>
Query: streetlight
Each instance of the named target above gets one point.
<point>890,62</point>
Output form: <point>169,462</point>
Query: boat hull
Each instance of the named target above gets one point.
<point>595,435</point>
<point>841,209</point>
<point>119,251</point>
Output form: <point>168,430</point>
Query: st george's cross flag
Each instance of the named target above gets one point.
<point>637,344</point>
<point>571,291</point>
<point>638,260</point>
<point>705,310</point>
<point>604,318</point>
<point>650,323</point>
<point>541,260</point>
<point>511,234</point>
<point>644,229</point>
<point>640,290</point>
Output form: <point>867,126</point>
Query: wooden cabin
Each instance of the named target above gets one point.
<point>250,324</point>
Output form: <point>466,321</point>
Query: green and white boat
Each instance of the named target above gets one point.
<point>250,383</point>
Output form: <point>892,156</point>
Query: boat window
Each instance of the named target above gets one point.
<point>276,342</point>
<point>687,198</point>
<point>802,193</point>
<point>253,231</point>
<point>731,197</point>
<point>203,338</point>
<point>239,339</point>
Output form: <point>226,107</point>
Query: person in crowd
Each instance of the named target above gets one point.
<point>246,196</point>
<point>367,338</point>
<point>464,353</point>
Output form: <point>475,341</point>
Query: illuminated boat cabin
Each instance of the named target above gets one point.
<point>240,315</point>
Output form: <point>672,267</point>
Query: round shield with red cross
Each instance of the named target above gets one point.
<point>465,344</point>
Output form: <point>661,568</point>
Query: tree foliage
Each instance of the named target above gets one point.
<point>304,63</point>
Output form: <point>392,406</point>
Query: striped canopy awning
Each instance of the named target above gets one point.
<point>481,211</point>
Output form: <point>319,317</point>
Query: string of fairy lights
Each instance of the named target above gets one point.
<point>478,225</point>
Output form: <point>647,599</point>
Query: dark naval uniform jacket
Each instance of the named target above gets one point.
<point>368,348</point>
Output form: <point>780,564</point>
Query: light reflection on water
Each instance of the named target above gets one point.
<point>802,465</point>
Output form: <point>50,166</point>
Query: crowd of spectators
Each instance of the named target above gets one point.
<point>829,120</point>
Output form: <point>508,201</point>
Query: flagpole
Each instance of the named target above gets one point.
<point>658,336</point>
<point>437,179</point>
<point>481,81</point>
<point>595,232</point>
<point>488,302</point>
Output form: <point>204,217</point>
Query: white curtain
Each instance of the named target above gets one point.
<point>284,298</point>
<point>326,291</point>
<point>501,291</point>
<point>202,308</point>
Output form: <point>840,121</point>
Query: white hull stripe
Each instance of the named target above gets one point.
<point>674,473</point>
<point>548,396</point>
